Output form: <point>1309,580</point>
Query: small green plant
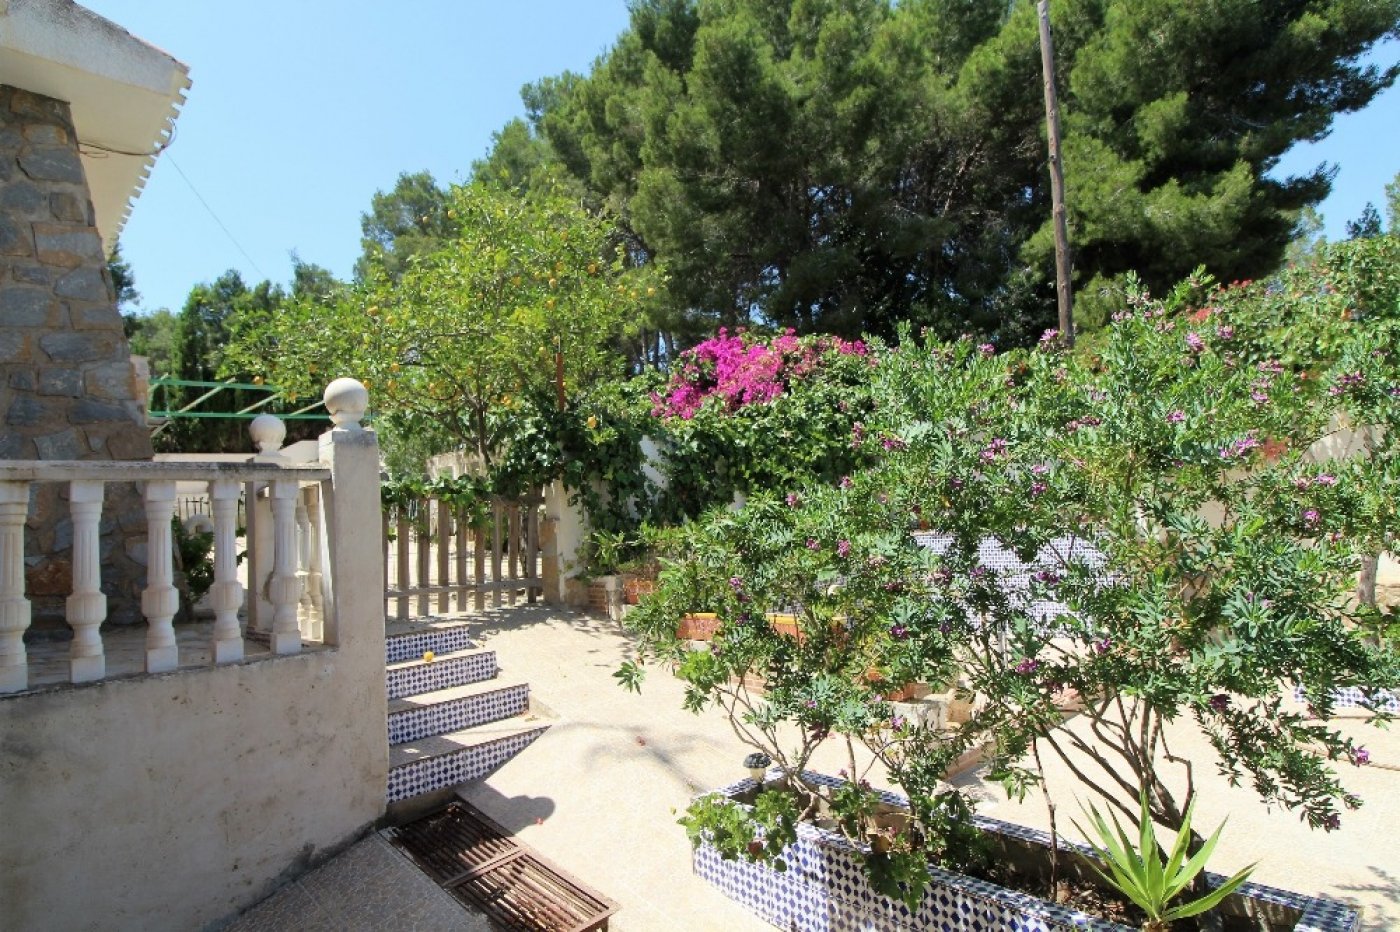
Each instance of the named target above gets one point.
<point>605,552</point>
<point>196,550</point>
<point>1140,875</point>
<point>760,832</point>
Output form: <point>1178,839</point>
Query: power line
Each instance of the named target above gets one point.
<point>230,236</point>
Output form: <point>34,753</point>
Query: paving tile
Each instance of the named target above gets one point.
<point>291,909</point>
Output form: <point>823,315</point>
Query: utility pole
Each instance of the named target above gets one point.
<point>1057,178</point>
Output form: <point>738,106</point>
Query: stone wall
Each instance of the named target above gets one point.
<point>67,386</point>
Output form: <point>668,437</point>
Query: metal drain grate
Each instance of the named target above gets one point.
<point>481,865</point>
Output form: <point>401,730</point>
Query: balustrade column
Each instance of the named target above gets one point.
<point>226,594</point>
<point>284,589</point>
<point>14,607</point>
<point>160,600</point>
<point>316,628</point>
<point>87,606</point>
<point>303,566</point>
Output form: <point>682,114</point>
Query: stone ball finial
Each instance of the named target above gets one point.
<point>346,402</point>
<point>268,432</point>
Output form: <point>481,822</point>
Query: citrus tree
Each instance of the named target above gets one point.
<point>458,348</point>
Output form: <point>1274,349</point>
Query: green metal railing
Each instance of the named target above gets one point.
<point>164,417</point>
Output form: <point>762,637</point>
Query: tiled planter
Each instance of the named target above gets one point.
<point>1351,697</point>
<point>824,890</point>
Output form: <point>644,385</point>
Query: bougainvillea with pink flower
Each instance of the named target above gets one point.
<point>742,412</point>
<point>739,368</point>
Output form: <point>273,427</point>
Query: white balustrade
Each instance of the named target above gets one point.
<point>14,607</point>
<point>87,606</point>
<point>292,568</point>
<point>226,594</point>
<point>160,600</point>
<point>283,589</point>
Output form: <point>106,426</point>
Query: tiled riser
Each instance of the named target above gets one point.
<point>413,724</point>
<point>440,641</point>
<point>451,769</point>
<point>825,890</point>
<point>441,674</point>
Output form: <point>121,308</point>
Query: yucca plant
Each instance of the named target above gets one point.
<point>1140,874</point>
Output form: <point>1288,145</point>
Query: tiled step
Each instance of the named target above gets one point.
<point>435,763</point>
<point>416,717</point>
<point>415,640</point>
<point>411,677</point>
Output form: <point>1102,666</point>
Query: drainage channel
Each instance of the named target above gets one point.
<point>479,864</point>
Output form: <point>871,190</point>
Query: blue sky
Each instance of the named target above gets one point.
<point>301,110</point>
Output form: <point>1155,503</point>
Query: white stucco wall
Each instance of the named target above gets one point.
<point>171,802</point>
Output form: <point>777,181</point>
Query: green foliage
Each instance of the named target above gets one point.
<point>1177,444</point>
<point>123,279</point>
<point>810,430</point>
<point>1139,873</point>
<point>757,832</point>
<point>845,166</point>
<point>213,315</point>
<point>409,220</point>
<point>1392,204</point>
<point>458,346</point>
<point>1366,226</point>
<point>196,554</point>
<point>605,549</point>
<point>153,336</point>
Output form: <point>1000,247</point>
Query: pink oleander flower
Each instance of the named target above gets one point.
<point>1325,479</point>
<point>813,544</point>
<point>1176,417</point>
<point>843,548</point>
<point>986,349</point>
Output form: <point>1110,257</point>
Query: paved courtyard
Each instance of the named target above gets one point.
<point>600,791</point>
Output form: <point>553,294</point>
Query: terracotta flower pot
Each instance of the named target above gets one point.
<point>697,626</point>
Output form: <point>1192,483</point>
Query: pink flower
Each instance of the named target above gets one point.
<point>1311,517</point>
<point>1194,343</point>
<point>843,547</point>
<point>1050,336</point>
<point>1176,417</point>
<point>845,482</point>
<point>813,544</point>
<point>1325,479</point>
<point>986,349</point>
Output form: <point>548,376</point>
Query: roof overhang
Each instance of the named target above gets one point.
<point>124,94</point>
